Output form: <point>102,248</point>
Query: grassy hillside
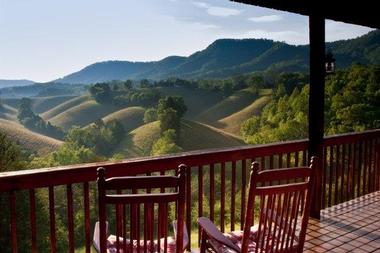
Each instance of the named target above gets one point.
<point>130,117</point>
<point>63,107</point>
<point>30,140</point>
<point>14,102</point>
<point>8,112</point>
<point>228,106</point>
<point>42,104</point>
<point>196,100</point>
<point>232,123</point>
<point>139,141</point>
<point>82,114</point>
<point>39,104</point>
<point>195,136</point>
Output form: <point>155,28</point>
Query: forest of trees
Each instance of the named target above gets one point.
<point>352,103</point>
<point>30,120</point>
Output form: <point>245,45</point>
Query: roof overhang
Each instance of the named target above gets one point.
<point>365,12</point>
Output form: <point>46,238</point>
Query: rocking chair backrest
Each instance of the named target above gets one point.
<point>284,199</point>
<point>141,206</point>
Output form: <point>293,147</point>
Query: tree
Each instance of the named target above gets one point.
<point>170,110</point>
<point>128,85</point>
<point>166,144</point>
<point>101,92</point>
<point>150,115</point>
<point>169,119</point>
<point>175,102</point>
<point>10,154</point>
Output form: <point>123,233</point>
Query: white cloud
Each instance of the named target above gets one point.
<point>205,26</point>
<point>267,18</point>
<point>201,4</point>
<point>342,31</point>
<point>222,11</point>
<point>290,37</point>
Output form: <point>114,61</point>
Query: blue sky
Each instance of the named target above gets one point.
<point>43,40</point>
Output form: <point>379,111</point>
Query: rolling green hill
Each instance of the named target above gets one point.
<point>227,106</point>
<point>82,114</point>
<point>39,104</point>
<point>130,117</point>
<point>63,107</point>
<point>232,123</point>
<point>139,141</point>
<point>196,100</point>
<point>31,141</point>
<point>43,104</point>
<point>194,136</point>
<point>8,112</point>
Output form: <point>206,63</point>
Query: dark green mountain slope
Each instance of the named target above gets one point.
<point>226,57</point>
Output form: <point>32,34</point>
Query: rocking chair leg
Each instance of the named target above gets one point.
<point>203,242</point>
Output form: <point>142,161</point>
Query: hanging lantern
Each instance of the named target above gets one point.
<point>329,63</point>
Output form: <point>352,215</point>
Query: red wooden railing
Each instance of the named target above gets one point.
<point>216,188</point>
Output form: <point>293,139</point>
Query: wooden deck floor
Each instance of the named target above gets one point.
<point>353,226</point>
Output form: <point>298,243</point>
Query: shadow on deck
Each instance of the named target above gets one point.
<point>352,226</point>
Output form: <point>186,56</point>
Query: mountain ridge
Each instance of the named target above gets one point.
<point>226,57</point>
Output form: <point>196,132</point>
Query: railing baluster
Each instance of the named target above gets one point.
<point>365,158</point>
<point>200,197</point>
<point>324,172</point>
<point>222,195</point>
<point>304,158</point>
<point>337,174</point>
<point>370,166</point>
<point>271,162</point>
<point>86,202</point>
<point>350,188</point>
<point>233,191</point>
<point>355,170</point>
<point>331,174</point>
<point>212,192</point>
<point>33,226</point>
<point>243,191</point>
<point>359,169</point>
<point>377,167</point>
<point>288,157</point>
<point>296,157</point>
<point>343,173</point>
<point>12,200</point>
<point>53,242</point>
<point>188,204</point>
<point>70,218</point>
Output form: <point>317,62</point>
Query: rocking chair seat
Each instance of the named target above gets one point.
<point>112,242</point>
<point>236,238</point>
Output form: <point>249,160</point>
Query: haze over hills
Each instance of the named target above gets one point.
<point>13,83</point>
<point>226,57</point>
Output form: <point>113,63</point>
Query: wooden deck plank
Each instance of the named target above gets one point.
<point>352,226</point>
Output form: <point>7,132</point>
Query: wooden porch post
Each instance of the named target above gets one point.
<point>316,102</point>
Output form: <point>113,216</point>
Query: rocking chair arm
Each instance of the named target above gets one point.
<point>213,233</point>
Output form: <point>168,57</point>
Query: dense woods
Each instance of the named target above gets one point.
<point>352,103</point>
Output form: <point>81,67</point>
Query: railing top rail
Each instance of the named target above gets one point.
<point>25,179</point>
<point>350,137</point>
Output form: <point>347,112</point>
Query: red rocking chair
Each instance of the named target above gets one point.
<point>147,204</point>
<point>284,199</point>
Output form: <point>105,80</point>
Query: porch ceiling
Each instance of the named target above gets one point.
<point>360,13</point>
